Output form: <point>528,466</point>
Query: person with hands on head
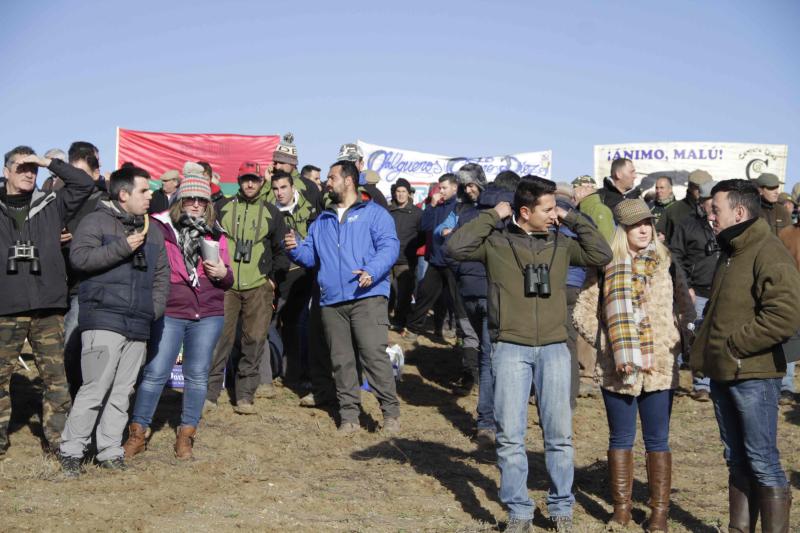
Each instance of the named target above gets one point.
<point>353,244</point>
<point>193,317</point>
<point>254,230</point>
<point>526,266</point>
<point>124,290</point>
<point>33,284</point>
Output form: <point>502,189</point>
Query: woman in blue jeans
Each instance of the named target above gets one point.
<point>638,343</point>
<point>194,313</point>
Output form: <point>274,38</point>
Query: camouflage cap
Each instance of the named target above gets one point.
<point>350,152</point>
<point>583,180</point>
<point>629,212</point>
<point>286,151</point>
<point>768,180</point>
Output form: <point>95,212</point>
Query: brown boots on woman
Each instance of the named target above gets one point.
<point>137,441</point>
<point>184,442</point>
<point>659,481</point>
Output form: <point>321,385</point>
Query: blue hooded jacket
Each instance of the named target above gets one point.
<point>431,218</point>
<point>365,240</point>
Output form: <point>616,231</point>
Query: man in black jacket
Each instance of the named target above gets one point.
<point>694,249</point>
<point>125,290</point>
<point>33,284</point>
<point>620,185</point>
<point>162,198</point>
<point>407,219</point>
<point>679,211</point>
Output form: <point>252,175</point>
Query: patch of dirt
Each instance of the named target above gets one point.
<point>285,469</point>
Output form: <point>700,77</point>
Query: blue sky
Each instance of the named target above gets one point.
<point>458,78</point>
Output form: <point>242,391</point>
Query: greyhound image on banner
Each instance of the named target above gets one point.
<point>677,159</point>
<point>423,169</point>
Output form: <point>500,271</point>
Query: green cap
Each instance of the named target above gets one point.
<point>768,180</point>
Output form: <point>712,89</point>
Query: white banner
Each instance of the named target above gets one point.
<point>421,169</point>
<point>677,159</point>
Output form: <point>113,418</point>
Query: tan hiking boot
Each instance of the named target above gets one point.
<point>184,441</point>
<point>137,440</point>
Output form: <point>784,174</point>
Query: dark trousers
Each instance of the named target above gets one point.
<point>295,292</point>
<point>654,410</point>
<point>403,279</point>
<point>319,357</point>
<point>254,307</point>
<point>364,322</point>
<point>572,345</point>
<point>428,291</point>
<point>45,332</point>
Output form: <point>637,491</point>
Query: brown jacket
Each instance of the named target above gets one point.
<point>791,239</point>
<point>753,308</point>
<point>776,216</point>
<point>669,306</point>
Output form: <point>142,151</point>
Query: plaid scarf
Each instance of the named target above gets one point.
<point>625,295</point>
<point>190,232</point>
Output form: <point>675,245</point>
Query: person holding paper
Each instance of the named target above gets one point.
<point>200,274</point>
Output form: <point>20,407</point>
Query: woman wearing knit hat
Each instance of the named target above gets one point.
<point>194,313</point>
<point>638,343</point>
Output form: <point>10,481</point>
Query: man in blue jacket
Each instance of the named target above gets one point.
<point>354,245</point>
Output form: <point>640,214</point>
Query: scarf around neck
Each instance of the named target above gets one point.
<point>190,232</point>
<point>630,331</point>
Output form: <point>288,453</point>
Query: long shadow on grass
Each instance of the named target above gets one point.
<point>436,365</point>
<point>448,465</point>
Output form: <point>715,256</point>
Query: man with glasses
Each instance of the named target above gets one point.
<point>255,230</point>
<point>162,198</point>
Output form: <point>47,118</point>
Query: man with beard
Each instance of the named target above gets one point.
<point>254,229</point>
<point>354,245</point>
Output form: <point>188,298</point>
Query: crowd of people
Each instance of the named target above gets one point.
<point>552,291</point>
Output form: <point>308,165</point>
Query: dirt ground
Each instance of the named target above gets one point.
<point>286,470</point>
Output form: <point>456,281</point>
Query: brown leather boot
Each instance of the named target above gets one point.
<point>137,440</point>
<point>184,442</point>
<point>659,481</point>
<point>620,474</point>
<point>742,502</point>
<point>775,503</point>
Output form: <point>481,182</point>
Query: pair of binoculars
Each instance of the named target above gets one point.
<point>25,252</point>
<point>537,280</point>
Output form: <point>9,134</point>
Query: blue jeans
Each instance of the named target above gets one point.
<point>479,319</point>
<point>699,383</point>
<point>787,383</point>
<point>747,415</point>
<point>549,368</point>
<point>199,337</point>
<point>654,410</point>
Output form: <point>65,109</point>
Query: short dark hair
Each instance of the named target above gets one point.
<point>282,175</point>
<point>127,164</point>
<point>123,180</point>
<point>529,190</point>
<point>669,179</point>
<point>19,150</point>
<point>348,169</point>
<point>452,178</point>
<point>617,164</point>
<point>507,180</point>
<point>206,168</point>
<point>84,151</point>
<point>741,193</point>
<point>308,169</point>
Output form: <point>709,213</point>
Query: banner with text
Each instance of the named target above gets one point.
<point>423,169</point>
<point>677,159</point>
<point>158,152</point>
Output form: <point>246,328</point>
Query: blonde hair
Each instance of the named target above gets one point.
<point>619,245</point>
<point>175,211</point>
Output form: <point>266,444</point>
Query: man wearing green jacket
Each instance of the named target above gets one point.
<point>584,191</point>
<point>751,311</point>
<point>526,265</point>
<point>254,229</point>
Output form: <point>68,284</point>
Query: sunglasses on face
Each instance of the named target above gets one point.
<point>202,202</point>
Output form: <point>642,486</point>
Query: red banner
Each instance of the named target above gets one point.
<point>159,152</point>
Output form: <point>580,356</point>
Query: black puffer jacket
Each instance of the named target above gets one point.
<point>48,214</point>
<point>116,296</point>
<point>694,248</point>
<point>407,224</point>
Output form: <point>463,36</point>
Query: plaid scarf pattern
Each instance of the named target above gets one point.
<point>190,231</point>
<point>630,332</point>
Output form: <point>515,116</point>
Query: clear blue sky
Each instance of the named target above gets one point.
<point>458,78</point>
